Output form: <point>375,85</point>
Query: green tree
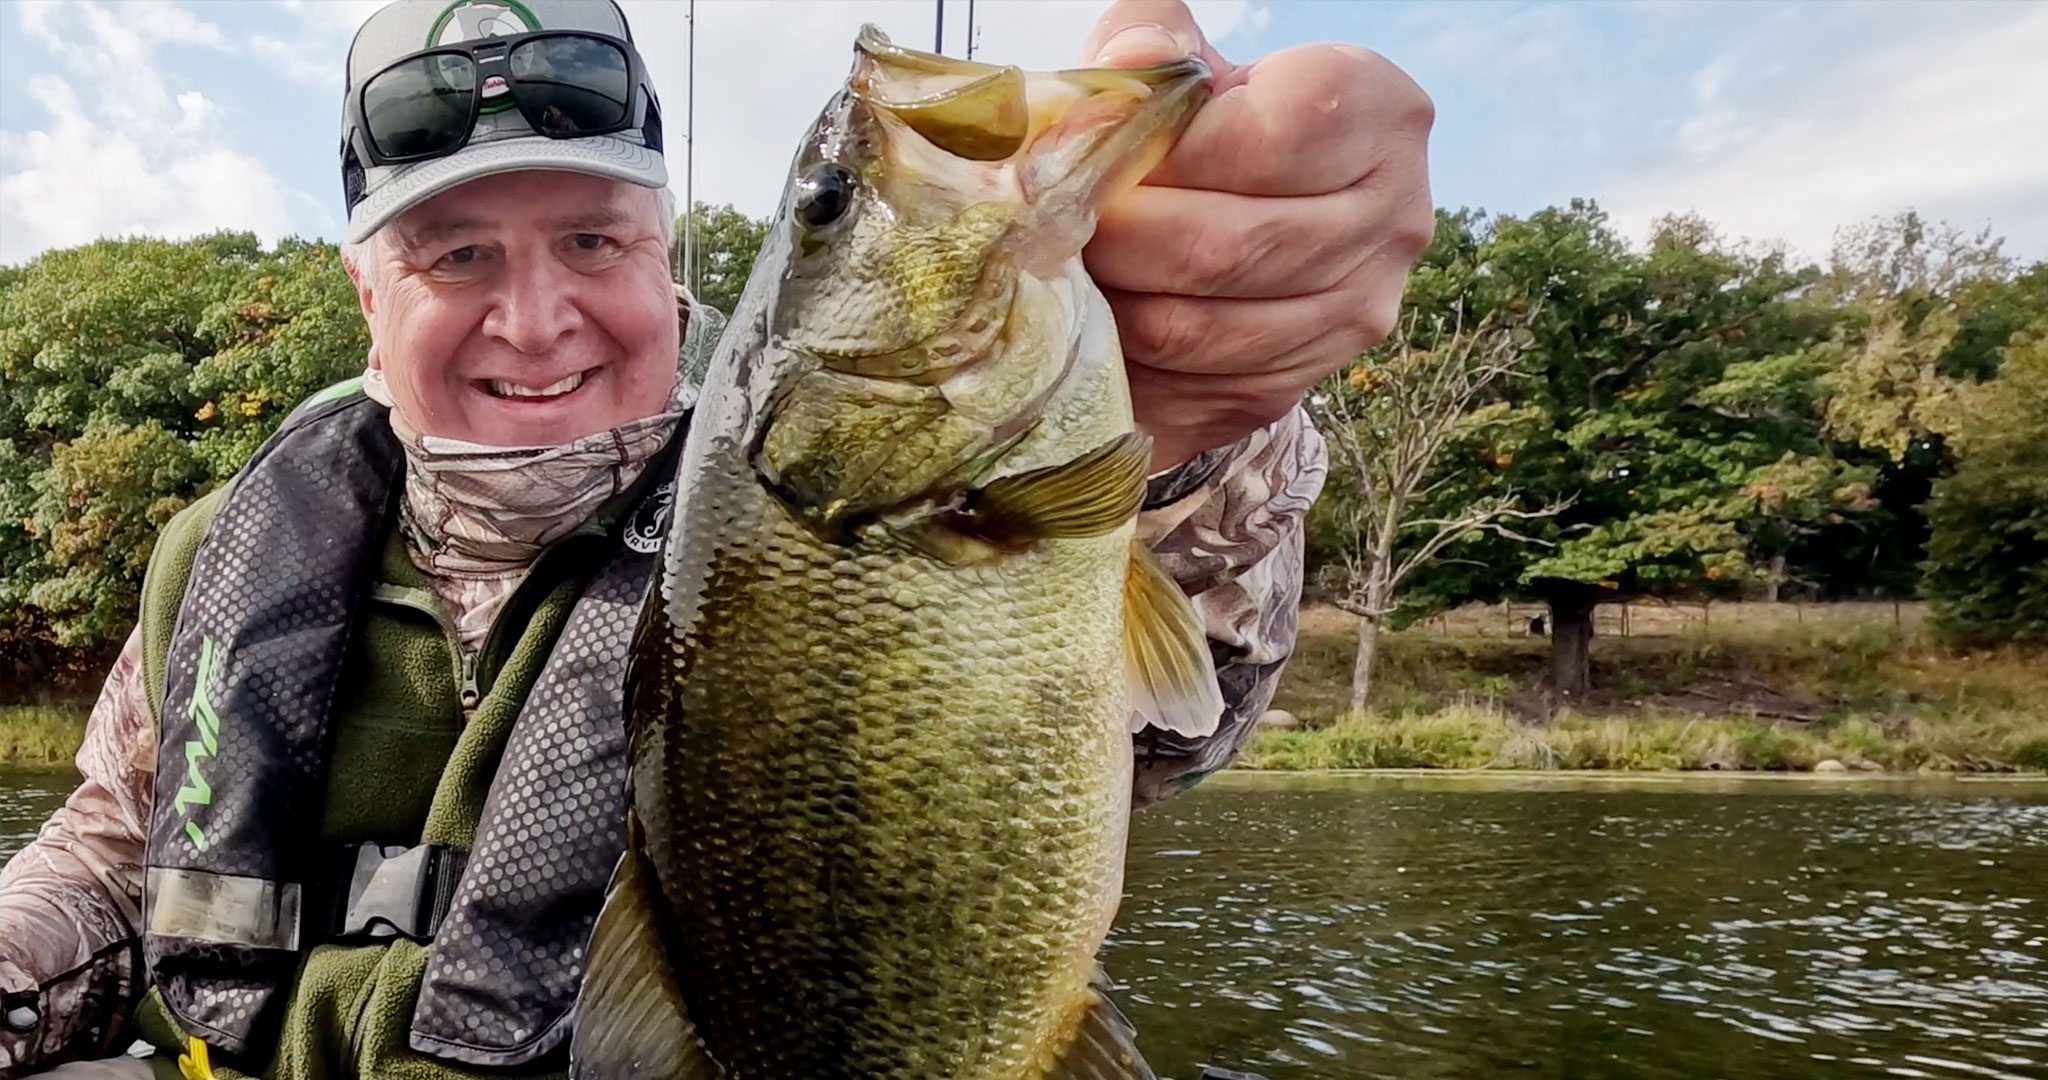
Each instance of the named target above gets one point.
<point>134,376</point>
<point>287,327</point>
<point>1666,402</point>
<point>727,242</point>
<point>99,506</point>
<point>110,331</point>
<point>1987,555</point>
<point>1924,310</point>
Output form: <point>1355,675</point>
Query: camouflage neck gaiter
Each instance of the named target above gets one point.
<point>474,516</point>
<point>471,508</point>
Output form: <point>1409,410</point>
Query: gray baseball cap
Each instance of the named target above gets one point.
<point>502,140</point>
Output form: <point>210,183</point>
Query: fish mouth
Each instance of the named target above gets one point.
<point>1083,132</point>
<point>1028,158</point>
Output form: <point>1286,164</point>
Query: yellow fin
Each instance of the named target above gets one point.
<point>1171,676</point>
<point>630,1020</point>
<point>1088,496</point>
<point>1105,1045</point>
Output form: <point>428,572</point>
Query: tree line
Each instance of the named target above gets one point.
<point>1598,421</point>
<point>1578,422</point>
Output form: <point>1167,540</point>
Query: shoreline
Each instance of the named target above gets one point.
<point>41,735</point>
<point>1466,739</point>
<point>48,737</point>
<point>2021,778</point>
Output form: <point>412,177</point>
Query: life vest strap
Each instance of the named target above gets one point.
<point>395,891</point>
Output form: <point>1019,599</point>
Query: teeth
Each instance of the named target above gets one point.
<point>503,388</point>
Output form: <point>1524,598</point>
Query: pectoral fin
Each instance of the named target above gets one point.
<point>1171,676</point>
<point>1105,1045</point>
<point>630,1020</point>
<point>1088,496</point>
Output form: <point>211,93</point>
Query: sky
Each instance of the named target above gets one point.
<point>1779,122</point>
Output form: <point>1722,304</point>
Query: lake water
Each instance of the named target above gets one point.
<point>1586,927</point>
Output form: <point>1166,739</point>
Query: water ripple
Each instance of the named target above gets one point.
<point>1387,929</point>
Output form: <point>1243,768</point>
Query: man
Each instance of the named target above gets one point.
<point>359,664</point>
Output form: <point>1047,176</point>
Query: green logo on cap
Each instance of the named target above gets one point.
<point>472,20</point>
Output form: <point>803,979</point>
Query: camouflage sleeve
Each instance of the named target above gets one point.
<point>1228,526</point>
<point>69,901</point>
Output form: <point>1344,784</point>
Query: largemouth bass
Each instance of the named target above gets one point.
<point>882,697</point>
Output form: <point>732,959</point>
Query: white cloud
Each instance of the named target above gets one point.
<point>133,156</point>
<point>315,54</point>
<point>1944,116</point>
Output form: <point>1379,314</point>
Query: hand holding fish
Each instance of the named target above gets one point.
<point>1271,246</point>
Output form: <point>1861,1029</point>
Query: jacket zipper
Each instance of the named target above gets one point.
<point>470,695</point>
<point>464,662</point>
<point>468,664</point>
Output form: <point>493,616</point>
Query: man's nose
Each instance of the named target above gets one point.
<point>536,305</point>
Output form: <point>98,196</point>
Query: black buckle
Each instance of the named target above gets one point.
<point>398,891</point>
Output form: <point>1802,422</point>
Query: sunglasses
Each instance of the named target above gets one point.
<point>567,84</point>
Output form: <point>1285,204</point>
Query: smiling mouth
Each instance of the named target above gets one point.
<point>505,388</point>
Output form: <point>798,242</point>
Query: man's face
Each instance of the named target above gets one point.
<point>524,309</point>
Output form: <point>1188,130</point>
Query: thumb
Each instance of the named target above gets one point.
<point>1135,33</point>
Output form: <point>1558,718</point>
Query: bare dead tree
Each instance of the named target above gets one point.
<point>1388,417</point>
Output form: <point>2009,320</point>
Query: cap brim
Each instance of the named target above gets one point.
<point>409,185</point>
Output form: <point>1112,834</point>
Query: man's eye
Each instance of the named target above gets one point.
<point>589,241</point>
<point>461,256</point>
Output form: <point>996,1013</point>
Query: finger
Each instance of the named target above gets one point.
<point>1137,33</point>
<point>1302,121</point>
<point>1309,334</point>
<point>1215,243</point>
<point>1180,332</point>
<point>1187,414</point>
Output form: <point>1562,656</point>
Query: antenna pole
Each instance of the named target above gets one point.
<point>939,32</point>
<point>970,29</point>
<point>689,268</point>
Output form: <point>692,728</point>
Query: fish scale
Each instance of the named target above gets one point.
<point>826,734</point>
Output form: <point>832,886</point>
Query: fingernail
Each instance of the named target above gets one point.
<point>1145,43</point>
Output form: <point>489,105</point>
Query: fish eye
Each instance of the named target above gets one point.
<point>824,194</point>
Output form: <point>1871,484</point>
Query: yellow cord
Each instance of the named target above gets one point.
<point>193,1064</point>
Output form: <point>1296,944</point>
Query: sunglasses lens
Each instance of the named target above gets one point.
<point>420,107</point>
<point>572,86</point>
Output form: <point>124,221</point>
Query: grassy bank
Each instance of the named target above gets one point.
<point>40,734</point>
<point>1731,687</point>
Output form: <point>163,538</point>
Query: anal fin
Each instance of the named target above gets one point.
<point>630,1021</point>
<point>1105,1045</point>
<point>1170,675</point>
